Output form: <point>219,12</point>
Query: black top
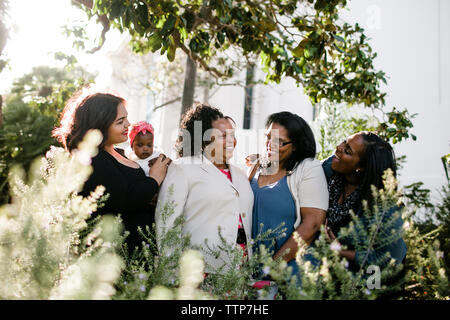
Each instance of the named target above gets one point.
<point>130,193</point>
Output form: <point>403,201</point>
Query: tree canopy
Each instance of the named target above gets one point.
<point>31,111</point>
<point>302,39</point>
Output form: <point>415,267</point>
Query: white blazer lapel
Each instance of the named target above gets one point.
<point>236,179</point>
<point>210,168</point>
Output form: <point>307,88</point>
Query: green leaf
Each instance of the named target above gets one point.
<point>221,37</point>
<point>330,27</point>
<point>169,25</point>
<point>338,49</point>
<point>171,52</point>
<point>338,38</point>
<point>190,20</point>
<point>298,51</point>
<point>154,41</point>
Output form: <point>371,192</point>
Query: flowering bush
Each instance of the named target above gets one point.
<point>42,255</point>
<point>51,249</point>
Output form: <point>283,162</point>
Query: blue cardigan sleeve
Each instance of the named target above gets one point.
<point>397,248</point>
<point>326,166</point>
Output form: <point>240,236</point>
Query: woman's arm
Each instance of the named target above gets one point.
<point>395,245</point>
<point>159,167</point>
<point>124,194</point>
<point>396,249</point>
<point>312,193</point>
<point>312,219</point>
<point>348,254</point>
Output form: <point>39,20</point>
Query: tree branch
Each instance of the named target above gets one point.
<point>86,3</point>
<point>106,26</point>
<point>103,20</point>
<point>195,57</point>
<point>166,103</point>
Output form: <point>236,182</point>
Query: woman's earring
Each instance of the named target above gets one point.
<point>358,170</point>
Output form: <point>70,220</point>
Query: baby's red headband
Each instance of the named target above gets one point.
<point>141,126</point>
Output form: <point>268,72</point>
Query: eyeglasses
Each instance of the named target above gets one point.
<point>280,143</point>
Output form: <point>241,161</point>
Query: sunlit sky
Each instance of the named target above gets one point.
<point>36,34</point>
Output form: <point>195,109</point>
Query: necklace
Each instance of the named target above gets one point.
<point>270,179</point>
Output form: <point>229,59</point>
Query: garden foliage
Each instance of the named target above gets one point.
<point>42,255</point>
<point>30,112</point>
<point>421,276</point>
<point>50,249</point>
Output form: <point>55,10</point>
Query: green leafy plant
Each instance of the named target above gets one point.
<point>42,253</point>
<point>157,270</point>
<point>30,113</point>
<point>334,123</point>
<point>426,277</point>
<point>304,40</point>
<point>156,263</point>
<point>374,229</point>
<point>25,135</point>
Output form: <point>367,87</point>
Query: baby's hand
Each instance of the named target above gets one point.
<point>152,162</point>
<point>251,159</point>
<point>159,169</point>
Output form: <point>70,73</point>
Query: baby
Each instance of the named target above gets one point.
<point>142,148</point>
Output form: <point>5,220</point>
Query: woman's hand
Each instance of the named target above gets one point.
<point>312,219</point>
<point>158,169</point>
<point>329,233</point>
<point>348,254</point>
<point>251,159</point>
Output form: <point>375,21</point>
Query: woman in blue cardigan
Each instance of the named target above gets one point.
<point>358,163</point>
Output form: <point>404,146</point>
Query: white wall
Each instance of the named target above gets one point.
<point>412,39</point>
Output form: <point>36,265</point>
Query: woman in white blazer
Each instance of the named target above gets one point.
<point>292,190</point>
<point>208,191</point>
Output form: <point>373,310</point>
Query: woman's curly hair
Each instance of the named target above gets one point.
<point>196,121</point>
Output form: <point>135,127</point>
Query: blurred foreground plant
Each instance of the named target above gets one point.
<point>377,276</point>
<point>42,255</point>
<point>172,268</point>
<point>156,263</point>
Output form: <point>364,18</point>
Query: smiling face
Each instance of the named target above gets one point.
<point>348,155</point>
<point>143,145</point>
<point>118,130</point>
<point>278,144</point>
<point>223,140</point>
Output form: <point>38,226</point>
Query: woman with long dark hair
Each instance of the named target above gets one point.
<point>358,163</point>
<point>130,190</point>
<point>290,188</point>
